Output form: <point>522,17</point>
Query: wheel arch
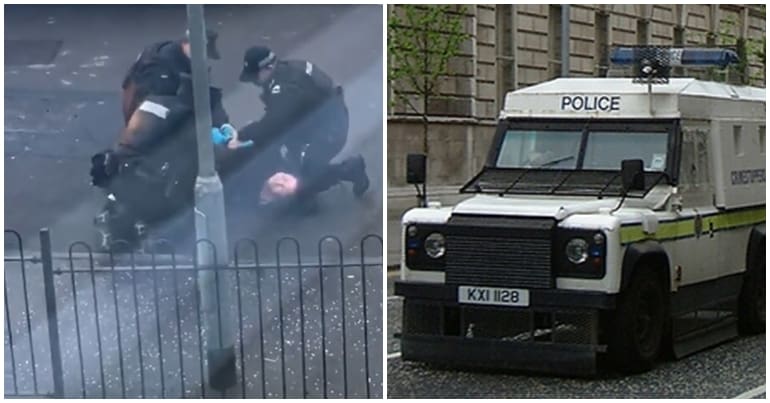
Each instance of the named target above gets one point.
<point>755,245</point>
<point>648,252</point>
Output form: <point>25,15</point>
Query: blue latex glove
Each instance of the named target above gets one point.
<point>229,131</point>
<point>226,133</point>
<point>218,137</point>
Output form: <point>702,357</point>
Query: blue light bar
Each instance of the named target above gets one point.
<point>623,56</point>
<point>678,56</point>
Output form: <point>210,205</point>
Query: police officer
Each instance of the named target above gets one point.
<point>159,65</point>
<point>163,69</point>
<point>150,174</point>
<point>305,114</point>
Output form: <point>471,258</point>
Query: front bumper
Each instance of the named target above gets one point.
<point>538,298</point>
<point>558,333</point>
<point>559,359</point>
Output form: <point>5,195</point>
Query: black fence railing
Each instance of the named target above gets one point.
<point>87,324</point>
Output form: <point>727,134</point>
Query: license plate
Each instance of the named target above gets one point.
<point>493,296</point>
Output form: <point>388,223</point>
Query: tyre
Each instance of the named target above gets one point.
<point>751,308</point>
<point>640,318</point>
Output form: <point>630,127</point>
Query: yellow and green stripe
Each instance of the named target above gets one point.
<point>685,227</point>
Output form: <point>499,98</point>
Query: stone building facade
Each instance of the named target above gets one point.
<point>513,46</point>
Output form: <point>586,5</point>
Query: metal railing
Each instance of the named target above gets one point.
<point>87,324</point>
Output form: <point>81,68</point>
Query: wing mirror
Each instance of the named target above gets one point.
<point>632,172</point>
<point>415,169</point>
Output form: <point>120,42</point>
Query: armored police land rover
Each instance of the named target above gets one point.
<point>612,219</point>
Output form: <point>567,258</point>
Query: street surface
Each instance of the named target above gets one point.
<point>63,105</point>
<point>733,369</point>
<point>63,70</point>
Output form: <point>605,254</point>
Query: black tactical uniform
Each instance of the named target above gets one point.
<point>150,174</point>
<point>159,70</point>
<point>305,119</point>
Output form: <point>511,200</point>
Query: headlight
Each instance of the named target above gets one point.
<point>411,231</point>
<point>577,250</point>
<point>599,238</point>
<point>435,245</point>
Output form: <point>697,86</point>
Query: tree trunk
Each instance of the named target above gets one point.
<point>425,126</point>
<point>425,95</point>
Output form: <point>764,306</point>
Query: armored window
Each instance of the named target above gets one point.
<point>687,170</point>
<point>695,170</point>
<point>738,140</point>
<point>703,174</point>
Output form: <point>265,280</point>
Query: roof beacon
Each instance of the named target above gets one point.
<point>679,56</point>
<point>652,64</point>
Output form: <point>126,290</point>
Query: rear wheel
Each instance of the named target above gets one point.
<point>751,311</point>
<point>639,322</point>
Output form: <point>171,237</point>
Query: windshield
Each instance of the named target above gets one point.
<point>606,150</point>
<point>549,149</point>
<point>560,149</point>
<point>574,157</point>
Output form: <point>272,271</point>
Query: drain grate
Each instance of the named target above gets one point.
<point>24,52</point>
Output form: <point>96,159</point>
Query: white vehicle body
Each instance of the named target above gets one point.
<point>698,217</point>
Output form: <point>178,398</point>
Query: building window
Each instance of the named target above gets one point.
<point>554,40</point>
<point>601,36</point>
<point>643,31</point>
<point>679,38</point>
<point>506,46</point>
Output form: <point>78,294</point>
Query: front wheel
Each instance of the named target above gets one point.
<point>637,333</point>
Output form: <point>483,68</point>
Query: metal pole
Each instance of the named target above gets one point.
<point>565,40</point>
<point>51,313</point>
<point>210,220</point>
<point>649,95</point>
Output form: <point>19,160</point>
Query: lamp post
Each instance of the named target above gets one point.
<point>210,220</point>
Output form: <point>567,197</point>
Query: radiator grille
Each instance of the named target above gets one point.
<point>509,255</point>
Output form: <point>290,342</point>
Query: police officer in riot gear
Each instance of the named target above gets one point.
<point>306,121</point>
<point>158,65</point>
<point>150,174</point>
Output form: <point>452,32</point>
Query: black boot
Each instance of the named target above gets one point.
<point>119,232</point>
<point>355,171</point>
